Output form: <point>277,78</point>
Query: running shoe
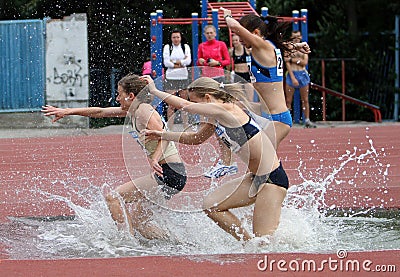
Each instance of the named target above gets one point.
<point>309,124</point>
<point>220,170</point>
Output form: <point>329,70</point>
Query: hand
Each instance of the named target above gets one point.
<point>213,62</point>
<point>226,12</point>
<point>151,134</point>
<point>178,64</point>
<point>201,61</point>
<point>295,82</point>
<point>155,166</point>
<point>303,47</point>
<point>150,82</point>
<point>57,112</point>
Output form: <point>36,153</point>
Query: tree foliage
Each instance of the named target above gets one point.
<point>118,31</point>
<point>361,30</point>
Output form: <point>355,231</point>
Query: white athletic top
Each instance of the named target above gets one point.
<point>176,54</point>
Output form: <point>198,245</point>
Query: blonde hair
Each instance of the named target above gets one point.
<point>225,92</point>
<point>210,26</point>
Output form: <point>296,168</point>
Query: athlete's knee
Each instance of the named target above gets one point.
<point>115,207</point>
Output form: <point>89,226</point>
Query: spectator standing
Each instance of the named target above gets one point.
<point>176,56</point>
<point>213,55</point>
<point>241,58</point>
<point>298,78</point>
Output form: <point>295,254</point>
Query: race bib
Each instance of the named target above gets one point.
<point>279,62</point>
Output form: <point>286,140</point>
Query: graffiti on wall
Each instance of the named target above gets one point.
<point>70,77</point>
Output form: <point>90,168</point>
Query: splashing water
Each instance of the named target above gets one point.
<point>306,226</point>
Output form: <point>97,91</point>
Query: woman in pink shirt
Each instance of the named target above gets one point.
<point>213,55</point>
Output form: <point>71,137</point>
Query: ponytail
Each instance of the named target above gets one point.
<point>271,28</point>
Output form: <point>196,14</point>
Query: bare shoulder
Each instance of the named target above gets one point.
<point>145,114</point>
<point>145,108</point>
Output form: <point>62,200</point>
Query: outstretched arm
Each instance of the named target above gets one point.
<point>95,112</point>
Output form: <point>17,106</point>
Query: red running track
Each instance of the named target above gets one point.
<point>363,162</point>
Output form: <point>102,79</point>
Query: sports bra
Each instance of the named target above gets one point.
<point>150,146</point>
<point>264,74</point>
<point>234,138</point>
<point>240,59</point>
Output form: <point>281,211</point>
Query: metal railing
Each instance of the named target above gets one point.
<point>375,109</point>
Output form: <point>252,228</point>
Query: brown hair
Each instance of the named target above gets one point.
<point>270,27</point>
<point>131,83</point>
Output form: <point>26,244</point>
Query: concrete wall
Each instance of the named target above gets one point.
<point>67,69</point>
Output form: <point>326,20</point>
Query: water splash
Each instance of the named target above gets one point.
<point>310,194</point>
<point>307,224</point>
